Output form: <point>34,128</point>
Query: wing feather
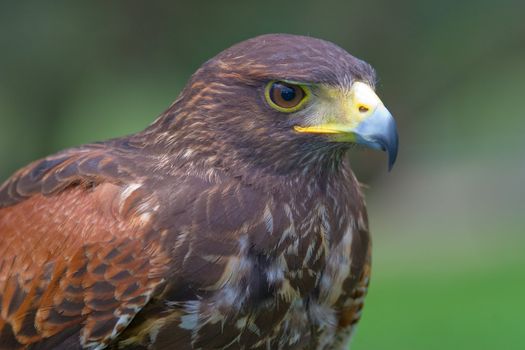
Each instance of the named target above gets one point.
<point>74,269</point>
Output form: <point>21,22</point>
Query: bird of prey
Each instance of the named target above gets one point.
<point>232,222</point>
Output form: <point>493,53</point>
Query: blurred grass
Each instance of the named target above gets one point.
<point>448,300</point>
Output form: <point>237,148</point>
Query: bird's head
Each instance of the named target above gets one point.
<point>283,99</point>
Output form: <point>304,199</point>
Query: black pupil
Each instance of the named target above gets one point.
<point>287,93</point>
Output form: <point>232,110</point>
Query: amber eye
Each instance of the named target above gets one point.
<point>285,97</point>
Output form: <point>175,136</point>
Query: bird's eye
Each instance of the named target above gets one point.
<point>285,97</point>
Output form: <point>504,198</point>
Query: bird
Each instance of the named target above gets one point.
<point>232,221</point>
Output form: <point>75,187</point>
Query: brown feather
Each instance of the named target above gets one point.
<point>74,258</point>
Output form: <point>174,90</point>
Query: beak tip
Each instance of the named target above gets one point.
<point>391,161</point>
<point>392,152</point>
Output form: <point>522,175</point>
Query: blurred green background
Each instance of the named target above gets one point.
<point>448,222</point>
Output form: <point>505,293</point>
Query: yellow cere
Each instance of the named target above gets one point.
<point>362,95</point>
<point>341,111</point>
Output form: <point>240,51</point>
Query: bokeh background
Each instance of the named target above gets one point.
<point>448,222</point>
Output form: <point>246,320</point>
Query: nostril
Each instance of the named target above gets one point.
<point>363,109</point>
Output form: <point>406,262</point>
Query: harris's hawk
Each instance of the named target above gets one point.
<point>231,222</point>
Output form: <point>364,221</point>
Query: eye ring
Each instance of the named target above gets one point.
<point>286,97</point>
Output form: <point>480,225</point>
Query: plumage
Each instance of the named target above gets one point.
<point>217,227</point>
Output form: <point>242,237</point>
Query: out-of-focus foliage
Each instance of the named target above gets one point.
<point>448,221</point>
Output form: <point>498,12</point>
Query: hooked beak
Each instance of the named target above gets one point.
<point>365,121</point>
